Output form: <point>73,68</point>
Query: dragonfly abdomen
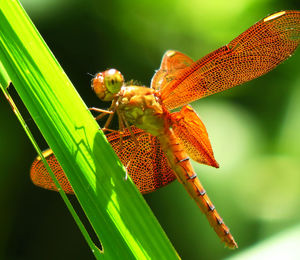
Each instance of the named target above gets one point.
<point>180,163</point>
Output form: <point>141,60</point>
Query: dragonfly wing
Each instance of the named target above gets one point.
<point>172,63</point>
<point>148,167</point>
<point>189,128</point>
<point>253,53</point>
<point>41,177</point>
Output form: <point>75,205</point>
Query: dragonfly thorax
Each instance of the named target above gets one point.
<point>141,107</point>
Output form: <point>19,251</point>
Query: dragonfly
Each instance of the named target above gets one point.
<point>156,144</point>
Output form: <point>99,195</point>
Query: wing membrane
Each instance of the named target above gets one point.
<point>172,63</point>
<point>188,127</point>
<point>41,177</point>
<point>253,53</point>
<point>148,168</point>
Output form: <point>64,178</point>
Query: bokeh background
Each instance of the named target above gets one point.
<point>254,129</point>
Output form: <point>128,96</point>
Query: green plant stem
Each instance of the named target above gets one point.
<point>114,207</point>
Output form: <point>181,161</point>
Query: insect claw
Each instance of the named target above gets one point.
<point>126,175</point>
<point>126,170</point>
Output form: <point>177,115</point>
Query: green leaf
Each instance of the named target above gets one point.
<point>116,210</point>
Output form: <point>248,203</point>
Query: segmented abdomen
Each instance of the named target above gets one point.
<point>179,162</point>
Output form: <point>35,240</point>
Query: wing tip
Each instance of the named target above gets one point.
<point>212,162</point>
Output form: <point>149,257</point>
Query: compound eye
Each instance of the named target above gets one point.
<point>113,80</point>
<point>108,83</point>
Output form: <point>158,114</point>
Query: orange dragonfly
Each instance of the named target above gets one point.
<point>154,143</point>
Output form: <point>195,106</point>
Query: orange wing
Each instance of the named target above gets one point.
<point>40,176</point>
<point>253,53</point>
<point>189,128</point>
<point>148,169</point>
<point>172,63</point>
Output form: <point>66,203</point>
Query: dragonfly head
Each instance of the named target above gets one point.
<point>108,83</point>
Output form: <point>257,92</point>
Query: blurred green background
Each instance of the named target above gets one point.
<point>254,130</point>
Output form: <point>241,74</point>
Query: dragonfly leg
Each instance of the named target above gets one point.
<point>121,138</point>
<point>108,121</point>
<point>100,116</point>
<point>126,174</point>
<point>104,112</point>
<point>100,110</point>
<point>122,124</point>
<point>129,129</point>
<point>132,155</point>
<point>109,130</point>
